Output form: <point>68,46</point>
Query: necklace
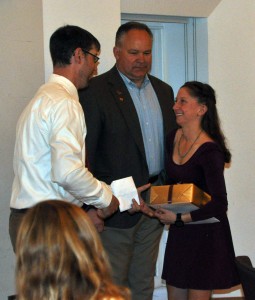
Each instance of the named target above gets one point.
<point>185,154</point>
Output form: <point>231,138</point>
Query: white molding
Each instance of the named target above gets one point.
<point>153,18</point>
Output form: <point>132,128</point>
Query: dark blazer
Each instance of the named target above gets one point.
<point>114,140</point>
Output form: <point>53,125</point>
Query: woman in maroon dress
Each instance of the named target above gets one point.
<point>199,257</point>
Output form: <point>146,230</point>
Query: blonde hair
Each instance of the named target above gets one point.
<point>60,256</point>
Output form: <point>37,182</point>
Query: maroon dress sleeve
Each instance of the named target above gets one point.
<point>211,161</point>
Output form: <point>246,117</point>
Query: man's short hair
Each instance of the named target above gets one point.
<point>66,39</point>
<point>124,28</point>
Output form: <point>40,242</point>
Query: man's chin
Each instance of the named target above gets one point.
<point>83,86</point>
<point>139,75</point>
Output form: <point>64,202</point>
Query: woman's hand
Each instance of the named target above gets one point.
<point>142,189</point>
<point>143,207</point>
<point>165,216</point>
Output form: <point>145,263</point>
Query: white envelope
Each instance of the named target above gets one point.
<point>125,190</point>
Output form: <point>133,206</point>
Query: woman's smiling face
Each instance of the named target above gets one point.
<point>186,108</point>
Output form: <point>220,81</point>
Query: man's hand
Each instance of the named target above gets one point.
<point>111,209</point>
<point>96,220</point>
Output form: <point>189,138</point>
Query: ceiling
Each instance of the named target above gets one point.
<point>185,8</point>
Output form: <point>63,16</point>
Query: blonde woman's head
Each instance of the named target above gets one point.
<point>60,256</point>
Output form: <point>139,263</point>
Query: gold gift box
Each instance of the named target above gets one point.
<point>178,197</point>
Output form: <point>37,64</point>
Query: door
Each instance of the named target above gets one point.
<point>180,48</point>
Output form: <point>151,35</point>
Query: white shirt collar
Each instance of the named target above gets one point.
<point>66,84</point>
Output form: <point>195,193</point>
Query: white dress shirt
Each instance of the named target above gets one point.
<point>49,155</point>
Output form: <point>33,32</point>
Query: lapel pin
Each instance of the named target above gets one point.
<point>119,93</point>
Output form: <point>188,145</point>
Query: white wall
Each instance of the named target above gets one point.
<point>22,70</point>
<point>101,18</point>
<point>25,30</point>
<point>231,72</point>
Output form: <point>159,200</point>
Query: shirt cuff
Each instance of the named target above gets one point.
<point>105,198</point>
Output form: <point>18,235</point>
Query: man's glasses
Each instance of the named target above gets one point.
<point>96,58</point>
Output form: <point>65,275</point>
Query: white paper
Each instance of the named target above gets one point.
<point>125,190</point>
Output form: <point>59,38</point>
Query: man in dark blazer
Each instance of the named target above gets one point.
<point>128,114</point>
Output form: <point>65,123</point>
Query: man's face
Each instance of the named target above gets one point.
<point>88,67</point>
<point>134,55</point>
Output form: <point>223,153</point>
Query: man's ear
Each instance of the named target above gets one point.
<point>77,55</point>
<point>116,51</point>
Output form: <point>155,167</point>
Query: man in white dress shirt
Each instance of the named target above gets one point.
<point>49,155</point>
